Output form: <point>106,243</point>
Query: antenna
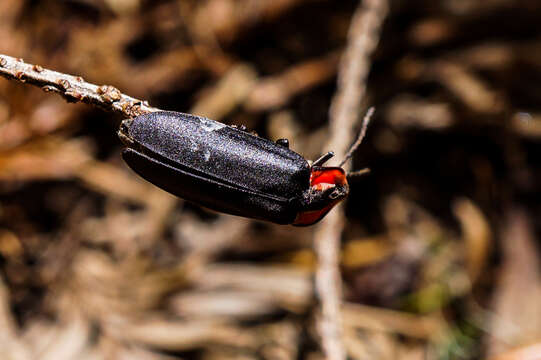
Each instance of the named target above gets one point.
<point>361,136</point>
<point>323,159</point>
<point>358,173</point>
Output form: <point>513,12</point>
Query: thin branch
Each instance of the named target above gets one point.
<point>72,88</point>
<point>353,71</point>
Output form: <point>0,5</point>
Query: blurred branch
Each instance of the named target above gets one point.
<point>378,319</point>
<point>12,347</point>
<point>72,88</point>
<point>183,335</point>
<point>234,16</point>
<point>476,235</point>
<point>274,91</point>
<point>516,320</point>
<point>528,352</point>
<point>353,71</point>
<point>467,86</point>
<point>232,89</point>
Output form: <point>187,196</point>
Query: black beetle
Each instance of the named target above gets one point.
<point>228,169</point>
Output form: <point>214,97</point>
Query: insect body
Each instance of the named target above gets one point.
<point>230,170</point>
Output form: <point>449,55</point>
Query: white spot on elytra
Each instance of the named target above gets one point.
<point>193,145</point>
<point>210,125</point>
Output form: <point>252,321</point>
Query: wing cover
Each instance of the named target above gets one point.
<point>210,193</point>
<point>198,145</point>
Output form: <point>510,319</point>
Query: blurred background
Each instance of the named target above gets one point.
<point>439,256</point>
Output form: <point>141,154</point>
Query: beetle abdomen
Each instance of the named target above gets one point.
<point>198,145</point>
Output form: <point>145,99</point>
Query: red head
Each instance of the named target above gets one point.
<point>328,186</point>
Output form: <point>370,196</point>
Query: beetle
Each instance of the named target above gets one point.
<point>229,169</point>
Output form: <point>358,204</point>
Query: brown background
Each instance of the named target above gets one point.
<point>439,257</point>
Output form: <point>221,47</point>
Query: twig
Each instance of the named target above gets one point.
<point>73,88</point>
<point>362,40</point>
